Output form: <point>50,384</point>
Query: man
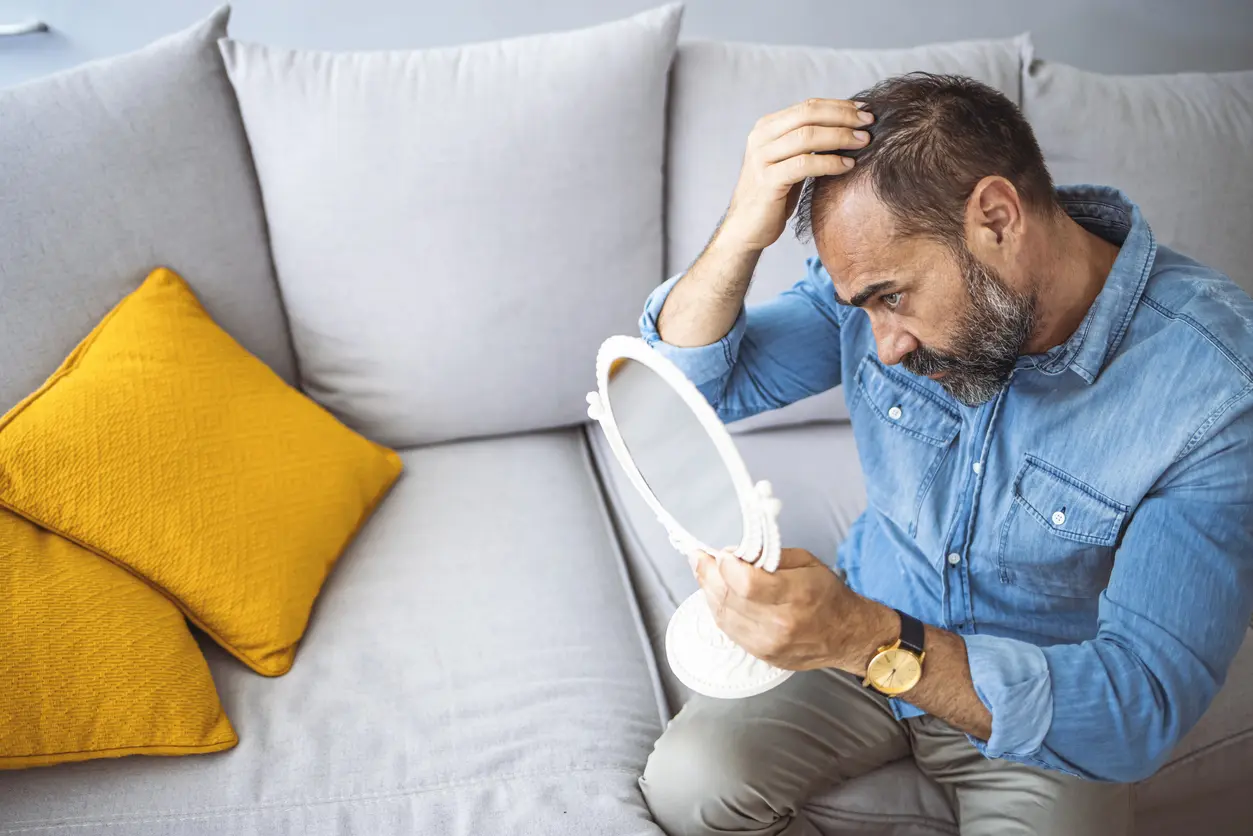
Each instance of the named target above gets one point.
<point>1054,415</point>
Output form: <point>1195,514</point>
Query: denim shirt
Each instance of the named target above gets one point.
<point>1088,531</point>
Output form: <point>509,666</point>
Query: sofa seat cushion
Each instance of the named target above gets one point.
<point>719,90</point>
<point>473,665</point>
<point>113,169</point>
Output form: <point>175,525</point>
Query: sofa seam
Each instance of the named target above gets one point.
<point>367,798</point>
<point>1204,751</point>
<point>641,629</point>
<point>629,529</point>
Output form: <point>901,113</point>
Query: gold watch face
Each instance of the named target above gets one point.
<point>894,671</point>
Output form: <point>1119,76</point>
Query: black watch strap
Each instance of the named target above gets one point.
<point>912,633</point>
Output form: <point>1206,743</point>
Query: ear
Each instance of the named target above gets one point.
<point>994,219</point>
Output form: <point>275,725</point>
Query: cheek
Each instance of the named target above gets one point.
<point>935,323</point>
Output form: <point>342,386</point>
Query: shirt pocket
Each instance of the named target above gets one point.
<point>1059,534</point>
<point>904,434</point>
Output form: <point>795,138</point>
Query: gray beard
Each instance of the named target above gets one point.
<point>988,338</point>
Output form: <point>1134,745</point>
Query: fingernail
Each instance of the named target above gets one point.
<point>866,117</point>
<point>861,135</point>
<point>848,162</point>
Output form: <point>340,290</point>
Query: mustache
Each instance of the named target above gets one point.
<point>924,362</point>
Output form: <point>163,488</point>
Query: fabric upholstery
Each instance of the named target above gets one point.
<point>474,666</point>
<point>720,90</point>
<point>1178,145</point>
<point>210,477</point>
<point>116,168</point>
<point>94,663</point>
<point>471,222</point>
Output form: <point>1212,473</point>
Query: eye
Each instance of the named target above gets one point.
<point>891,300</point>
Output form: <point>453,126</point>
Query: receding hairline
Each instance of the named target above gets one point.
<point>934,139</point>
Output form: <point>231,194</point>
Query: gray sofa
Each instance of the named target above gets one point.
<point>486,658</point>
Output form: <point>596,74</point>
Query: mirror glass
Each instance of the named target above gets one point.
<point>675,455</point>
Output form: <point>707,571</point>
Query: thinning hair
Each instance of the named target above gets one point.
<point>933,139</point>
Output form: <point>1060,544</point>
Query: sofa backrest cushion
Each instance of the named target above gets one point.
<point>721,89</point>
<point>456,230</point>
<point>117,167</point>
<point>1181,146</point>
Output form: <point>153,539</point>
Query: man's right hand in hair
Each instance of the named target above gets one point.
<point>783,150</point>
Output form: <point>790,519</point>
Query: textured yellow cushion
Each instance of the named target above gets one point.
<point>165,446</point>
<point>93,662</point>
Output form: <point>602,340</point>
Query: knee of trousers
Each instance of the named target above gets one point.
<point>700,779</point>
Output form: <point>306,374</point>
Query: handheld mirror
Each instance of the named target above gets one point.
<point>681,459</point>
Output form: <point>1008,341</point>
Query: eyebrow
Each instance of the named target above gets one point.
<point>865,295</point>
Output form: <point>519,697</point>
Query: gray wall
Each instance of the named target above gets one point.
<point>1130,36</point>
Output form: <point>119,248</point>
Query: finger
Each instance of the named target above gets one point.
<point>796,169</point>
<point>796,559</point>
<point>834,113</point>
<point>717,595</point>
<point>751,585</point>
<point>809,139</point>
<point>735,575</point>
<point>707,573</point>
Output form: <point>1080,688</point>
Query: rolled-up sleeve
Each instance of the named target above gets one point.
<point>708,366</point>
<point>1012,680</point>
<point>1169,624</point>
<point>776,353</point>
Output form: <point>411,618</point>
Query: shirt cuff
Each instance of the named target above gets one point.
<point>1012,680</point>
<point>702,364</point>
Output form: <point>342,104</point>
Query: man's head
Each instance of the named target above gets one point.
<point>932,231</point>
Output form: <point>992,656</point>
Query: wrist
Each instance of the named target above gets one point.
<point>729,243</point>
<point>870,627</point>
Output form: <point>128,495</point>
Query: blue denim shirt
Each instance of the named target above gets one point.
<point>1088,532</point>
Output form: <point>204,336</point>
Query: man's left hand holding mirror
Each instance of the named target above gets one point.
<point>680,458</point>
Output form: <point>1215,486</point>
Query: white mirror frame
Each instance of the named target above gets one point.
<point>758,506</point>
<point>701,655</point>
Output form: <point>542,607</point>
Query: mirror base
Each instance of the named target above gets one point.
<point>707,661</point>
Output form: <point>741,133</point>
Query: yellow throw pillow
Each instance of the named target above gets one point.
<point>93,662</point>
<point>163,445</point>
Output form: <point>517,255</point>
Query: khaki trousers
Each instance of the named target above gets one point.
<point>748,766</point>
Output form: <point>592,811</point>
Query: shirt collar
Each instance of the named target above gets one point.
<point>1106,212</point>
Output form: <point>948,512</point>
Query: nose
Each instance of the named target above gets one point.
<point>892,342</point>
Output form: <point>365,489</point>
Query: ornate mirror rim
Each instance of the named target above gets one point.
<point>758,507</point>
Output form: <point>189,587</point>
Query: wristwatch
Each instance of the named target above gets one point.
<point>897,667</point>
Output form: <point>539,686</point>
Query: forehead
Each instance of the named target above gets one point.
<point>858,243</point>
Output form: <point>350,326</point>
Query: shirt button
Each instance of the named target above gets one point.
<point>978,466</point>
<point>895,413</point>
<point>1059,518</point>
<point>954,559</point>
